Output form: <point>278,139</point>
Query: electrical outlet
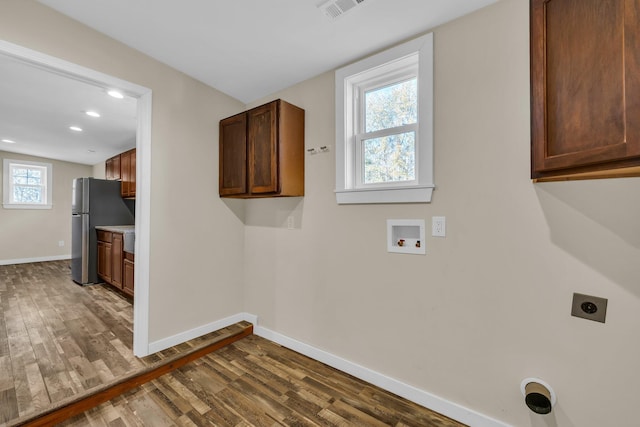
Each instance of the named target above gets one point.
<point>291,222</point>
<point>589,307</point>
<point>438,226</point>
<point>60,243</point>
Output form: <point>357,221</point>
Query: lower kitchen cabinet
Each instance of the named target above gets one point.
<point>115,266</point>
<point>104,261</point>
<point>117,258</point>
<point>128,273</point>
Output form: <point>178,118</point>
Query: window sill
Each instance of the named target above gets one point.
<point>420,194</point>
<point>15,206</point>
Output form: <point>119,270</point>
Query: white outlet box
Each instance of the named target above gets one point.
<point>438,226</point>
<point>60,243</point>
<point>291,222</point>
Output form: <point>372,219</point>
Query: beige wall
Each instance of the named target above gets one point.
<point>486,307</point>
<point>489,305</point>
<point>33,234</point>
<point>99,170</point>
<point>196,240</point>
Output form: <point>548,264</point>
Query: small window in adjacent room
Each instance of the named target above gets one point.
<point>384,126</point>
<point>26,185</point>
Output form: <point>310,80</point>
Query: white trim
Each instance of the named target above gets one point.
<point>421,397</point>
<point>143,170</point>
<point>377,195</point>
<point>36,259</point>
<point>165,343</point>
<point>143,227</point>
<point>7,187</point>
<point>346,191</point>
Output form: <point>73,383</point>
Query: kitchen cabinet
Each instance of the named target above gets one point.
<point>112,168</point>
<point>105,259</point>
<point>123,168</point>
<point>128,273</point>
<point>115,266</point>
<point>116,258</point>
<point>262,152</point>
<point>585,87</point>
<point>128,173</point>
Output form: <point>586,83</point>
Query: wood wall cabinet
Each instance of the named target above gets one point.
<point>128,168</point>
<point>123,168</point>
<point>112,168</point>
<point>585,89</point>
<point>262,152</point>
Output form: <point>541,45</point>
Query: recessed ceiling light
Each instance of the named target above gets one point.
<point>75,128</point>
<point>8,141</point>
<point>92,113</point>
<point>91,151</point>
<point>115,94</point>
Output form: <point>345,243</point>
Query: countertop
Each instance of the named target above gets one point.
<point>128,234</point>
<point>117,228</point>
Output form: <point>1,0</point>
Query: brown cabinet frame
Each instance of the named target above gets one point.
<point>585,87</point>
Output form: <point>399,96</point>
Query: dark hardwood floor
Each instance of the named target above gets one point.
<point>255,382</point>
<point>59,340</point>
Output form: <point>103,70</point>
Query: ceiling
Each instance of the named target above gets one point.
<point>247,49</point>
<point>37,107</point>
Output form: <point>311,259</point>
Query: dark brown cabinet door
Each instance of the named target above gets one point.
<point>262,152</point>
<point>233,155</point>
<point>104,261</point>
<point>116,258</point>
<point>585,86</point>
<point>112,167</point>
<point>125,166</point>
<point>128,173</point>
<point>128,274</point>
<point>263,149</point>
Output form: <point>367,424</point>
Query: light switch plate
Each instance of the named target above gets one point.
<point>589,307</point>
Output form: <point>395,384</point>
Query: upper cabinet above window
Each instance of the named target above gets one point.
<point>262,152</point>
<point>585,89</point>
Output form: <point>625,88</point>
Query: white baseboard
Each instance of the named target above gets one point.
<point>199,331</point>
<point>421,397</point>
<point>37,259</point>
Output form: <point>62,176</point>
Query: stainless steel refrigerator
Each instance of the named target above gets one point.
<point>95,202</point>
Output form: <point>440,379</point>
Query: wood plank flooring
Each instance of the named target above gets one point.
<point>59,340</point>
<point>255,382</point>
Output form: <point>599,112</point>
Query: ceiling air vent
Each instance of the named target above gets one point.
<point>335,8</point>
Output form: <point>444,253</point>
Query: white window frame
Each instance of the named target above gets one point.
<point>394,64</point>
<point>7,185</point>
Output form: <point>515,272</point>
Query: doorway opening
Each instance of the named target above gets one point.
<point>143,97</point>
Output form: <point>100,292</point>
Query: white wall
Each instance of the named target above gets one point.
<point>196,240</point>
<point>489,305</point>
<point>34,234</point>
